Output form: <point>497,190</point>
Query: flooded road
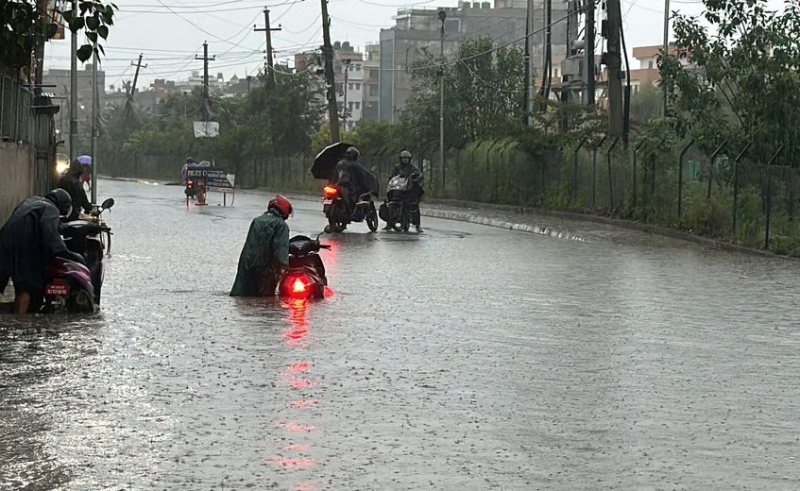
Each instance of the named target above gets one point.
<point>465,358</point>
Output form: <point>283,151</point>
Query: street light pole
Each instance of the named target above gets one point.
<point>73,93</point>
<point>442,17</point>
<point>666,50</point>
<point>95,103</point>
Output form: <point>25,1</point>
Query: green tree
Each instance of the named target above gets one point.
<point>483,94</point>
<point>742,83</point>
<point>22,25</point>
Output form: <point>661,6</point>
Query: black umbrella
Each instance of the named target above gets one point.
<point>325,162</point>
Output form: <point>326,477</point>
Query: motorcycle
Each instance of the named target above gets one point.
<point>335,209</point>
<point>305,278</point>
<point>191,190</point>
<point>401,203</point>
<point>77,287</point>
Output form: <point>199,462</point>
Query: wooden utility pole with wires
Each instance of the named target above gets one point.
<point>666,53</point>
<point>613,60</point>
<point>330,80</point>
<point>269,67</point>
<point>205,109</point>
<point>132,89</point>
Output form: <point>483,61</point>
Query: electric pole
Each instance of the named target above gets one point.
<point>206,59</point>
<point>38,53</point>
<point>442,17</point>
<point>132,89</point>
<point>346,64</point>
<point>527,95</point>
<point>330,80</point>
<point>73,92</point>
<point>269,69</point>
<point>613,60</point>
<point>589,51</point>
<point>666,51</point>
<point>95,113</point>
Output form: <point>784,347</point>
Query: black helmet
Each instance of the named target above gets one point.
<point>352,153</point>
<point>189,160</point>
<point>62,200</point>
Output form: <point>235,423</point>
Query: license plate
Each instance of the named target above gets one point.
<point>327,201</point>
<point>57,289</point>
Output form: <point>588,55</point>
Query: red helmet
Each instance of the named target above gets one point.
<point>283,205</point>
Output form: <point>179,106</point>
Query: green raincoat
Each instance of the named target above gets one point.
<point>265,254</point>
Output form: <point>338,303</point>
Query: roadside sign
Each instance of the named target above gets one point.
<point>206,129</point>
<point>220,181</point>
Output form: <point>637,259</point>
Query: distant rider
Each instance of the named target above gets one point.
<point>345,179</point>
<point>190,164</point>
<point>71,183</point>
<point>265,254</point>
<point>405,168</point>
<point>28,243</point>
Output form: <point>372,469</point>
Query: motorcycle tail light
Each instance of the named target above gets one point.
<point>330,191</point>
<point>298,286</point>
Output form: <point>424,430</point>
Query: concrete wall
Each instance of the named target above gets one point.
<point>16,169</point>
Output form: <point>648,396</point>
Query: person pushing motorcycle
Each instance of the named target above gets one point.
<point>405,168</point>
<point>265,254</point>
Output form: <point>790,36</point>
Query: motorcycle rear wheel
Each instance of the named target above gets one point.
<point>372,218</point>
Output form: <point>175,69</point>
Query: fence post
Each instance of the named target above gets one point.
<point>610,176</point>
<point>594,170</point>
<point>680,177</point>
<point>769,195</point>
<point>736,184</point>
<point>575,172</point>
<point>711,168</point>
<point>635,156</point>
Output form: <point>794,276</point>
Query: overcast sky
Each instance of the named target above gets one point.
<point>170,32</point>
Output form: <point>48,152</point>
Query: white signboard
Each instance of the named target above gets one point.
<point>206,129</point>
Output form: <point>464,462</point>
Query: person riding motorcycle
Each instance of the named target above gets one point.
<point>29,241</point>
<point>265,254</point>
<point>190,164</point>
<point>405,168</point>
<point>71,183</point>
<point>345,180</point>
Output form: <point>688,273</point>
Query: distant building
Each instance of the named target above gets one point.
<point>372,74</point>
<point>418,29</point>
<point>59,79</point>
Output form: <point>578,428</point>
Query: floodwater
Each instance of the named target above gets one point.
<point>464,358</point>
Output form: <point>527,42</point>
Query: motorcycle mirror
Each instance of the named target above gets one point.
<point>107,204</point>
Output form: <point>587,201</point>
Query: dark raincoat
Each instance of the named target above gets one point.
<point>28,242</point>
<point>72,184</point>
<point>355,180</point>
<point>265,254</point>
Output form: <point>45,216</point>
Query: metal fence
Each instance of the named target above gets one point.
<point>725,194</point>
<point>15,107</point>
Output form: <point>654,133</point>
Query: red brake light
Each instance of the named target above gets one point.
<point>330,191</point>
<point>298,286</point>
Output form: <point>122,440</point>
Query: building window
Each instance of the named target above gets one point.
<point>650,64</point>
<point>350,105</point>
<point>350,86</point>
<point>358,86</point>
<point>358,68</point>
<point>358,106</point>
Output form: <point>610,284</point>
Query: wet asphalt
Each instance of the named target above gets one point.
<point>467,357</point>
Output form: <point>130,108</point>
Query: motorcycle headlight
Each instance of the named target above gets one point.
<point>62,167</point>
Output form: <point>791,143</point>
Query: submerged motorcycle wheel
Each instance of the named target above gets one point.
<point>81,302</point>
<point>372,218</point>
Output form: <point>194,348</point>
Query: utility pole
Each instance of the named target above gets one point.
<point>269,69</point>
<point>132,89</point>
<point>613,61</point>
<point>73,92</point>
<point>589,51</point>
<point>526,104</point>
<point>206,59</point>
<point>38,53</point>
<point>346,64</point>
<point>95,113</point>
<point>666,51</point>
<point>442,17</point>
<point>330,80</point>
